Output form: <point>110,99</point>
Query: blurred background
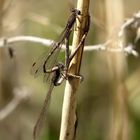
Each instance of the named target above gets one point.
<point>109,97</point>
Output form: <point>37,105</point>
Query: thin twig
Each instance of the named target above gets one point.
<point>32,39</point>
<point>48,42</point>
<point>134,20</point>
<point>19,95</point>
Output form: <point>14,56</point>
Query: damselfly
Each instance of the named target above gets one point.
<point>56,69</point>
<point>58,72</point>
<point>37,67</point>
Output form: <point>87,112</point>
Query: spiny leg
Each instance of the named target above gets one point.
<point>71,57</point>
<point>80,77</point>
<point>78,47</point>
<point>82,39</point>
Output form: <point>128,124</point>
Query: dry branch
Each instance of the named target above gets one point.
<point>48,42</point>
<point>20,94</point>
<point>69,119</point>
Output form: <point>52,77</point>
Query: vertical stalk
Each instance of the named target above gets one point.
<point>1,52</point>
<point>69,119</point>
<point>119,129</point>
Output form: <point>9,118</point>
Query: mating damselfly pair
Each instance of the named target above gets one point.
<point>58,70</point>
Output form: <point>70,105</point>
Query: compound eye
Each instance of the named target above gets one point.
<point>78,12</point>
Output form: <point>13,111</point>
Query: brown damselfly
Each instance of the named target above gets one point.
<point>48,65</point>
<point>58,70</point>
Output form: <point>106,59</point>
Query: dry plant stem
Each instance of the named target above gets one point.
<point>69,119</point>
<point>1,28</point>
<point>119,128</point>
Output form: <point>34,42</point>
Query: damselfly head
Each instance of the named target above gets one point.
<point>76,11</point>
<point>61,65</point>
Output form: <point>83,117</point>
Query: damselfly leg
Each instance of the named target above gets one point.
<point>81,43</point>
